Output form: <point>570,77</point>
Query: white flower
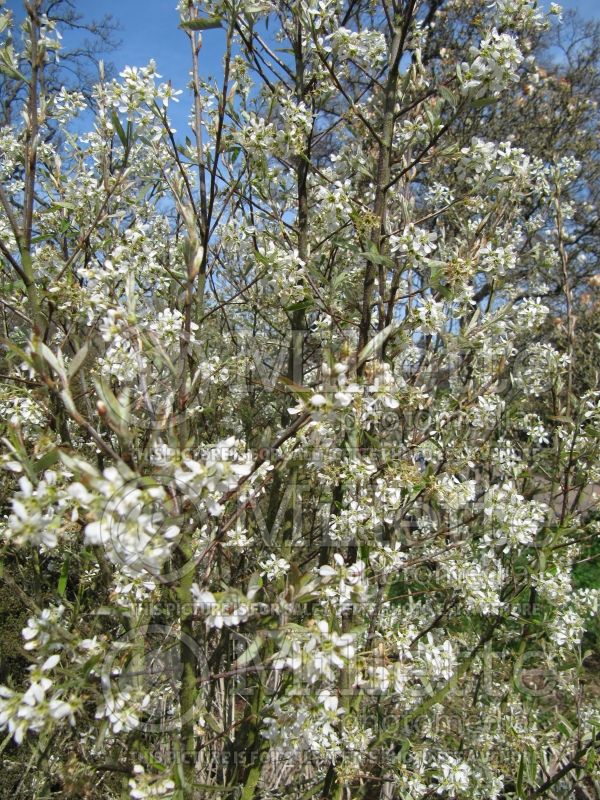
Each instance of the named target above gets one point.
<point>453,775</point>
<point>494,66</point>
<point>274,567</point>
<point>318,400</point>
<point>50,662</point>
<point>227,610</point>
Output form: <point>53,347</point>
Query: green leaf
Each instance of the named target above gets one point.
<point>591,759</point>
<point>301,305</point>
<point>378,258</point>
<point>46,461</point>
<point>213,723</point>
<point>250,653</point>
<point>63,577</point>
<point>484,101</point>
<point>202,23</point>
<point>77,361</point>
<point>520,774</point>
<point>117,412</point>
<point>12,73</point>
<point>254,584</point>
<point>377,342</point>
<point>531,767</point>
<point>51,358</point>
<point>448,96</point>
<point>25,357</point>
<point>119,129</point>
<point>43,237</point>
<point>68,402</point>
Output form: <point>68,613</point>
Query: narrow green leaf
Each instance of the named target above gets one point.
<point>68,402</point>
<point>448,96</point>
<point>51,358</point>
<point>12,73</point>
<point>46,461</point>
<point>250,653</point>
<point>377,342</point>
<point>378,258</point>
<point>202,24</point>
<point>520,774</point>
<point>77,361</point>
<point>301,305</point>
<point>119,129</point>
<point>63,577</point>
<point>484,101</point>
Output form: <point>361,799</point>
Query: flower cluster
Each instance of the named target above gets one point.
<point>493,67</point>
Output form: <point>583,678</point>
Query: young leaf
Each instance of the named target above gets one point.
<point>63,577</point>
<point>77,361</point>
<point>202,24</point>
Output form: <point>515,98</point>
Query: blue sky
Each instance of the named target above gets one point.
<point>150,30</point>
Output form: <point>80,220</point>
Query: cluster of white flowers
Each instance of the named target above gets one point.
<point>497,260</point>
<point>256,134</point>
<point>220,471</point>
<point>521,15</point>
<point>344,583</point>
<point>42,632</point>
<point>297,123</point>
<point>323,14</point>
<point>122,707</point>
<point>66,105</point>
<point>357,520</point>
<point>530,314</point>
<point>334,198</point>
<point>493,67</point>
<point>478,584</point>
<point>304,723</point>
<point>555,586</point>
<point>274,568</point>
<point>495,163</point>
<point>37,516</point>
<point>286,273</point>
<point>124,357</point>
<point>143,786</point>
<point>453,492</point>
<point>439,660</point>
<point>138,91</point>
<point>10,151</point>
<point>34,709</point>
<point>132,522</point>
<point>452,775</point>
<point>366,47</point>
<point>511,520</point>
<point>23,412</point>
<point>315,654</point>
<point>382,387</point>
<point>167,325</point>
<point>487,412</point>
<point>567,629</point>
<point>432,316</point>
<point>387,559</point>
<point>535,429</point>
<point>539,367</point>
<point>415,242</point>
<point>229,609</point>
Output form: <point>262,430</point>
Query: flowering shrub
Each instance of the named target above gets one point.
<point>295,477</point>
